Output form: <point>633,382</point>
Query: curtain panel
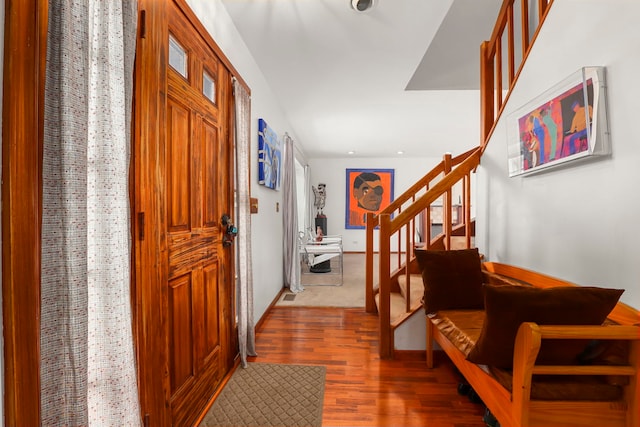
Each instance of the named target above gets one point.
<point>290,220</point>
<point>87,371</point>
<point>244,270</point>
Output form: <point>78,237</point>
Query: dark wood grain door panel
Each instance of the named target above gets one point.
<point>185,281</point>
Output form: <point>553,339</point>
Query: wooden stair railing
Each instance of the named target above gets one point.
<point>519,21</point>
<point>402,202</point>
<point>397,224</point>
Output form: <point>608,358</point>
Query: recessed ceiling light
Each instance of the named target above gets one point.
<point>400,152</point>
<point>351,152</point>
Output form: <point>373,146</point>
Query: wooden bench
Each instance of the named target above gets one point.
<point>513,409</point>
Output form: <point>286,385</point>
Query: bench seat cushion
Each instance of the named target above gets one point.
<point>462,328</point>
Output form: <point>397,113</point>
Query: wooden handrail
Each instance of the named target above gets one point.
<point>422,183</point>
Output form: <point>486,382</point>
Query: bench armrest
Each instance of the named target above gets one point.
<point>527,346</point>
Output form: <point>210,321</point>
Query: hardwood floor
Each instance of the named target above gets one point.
<point>361,389</point>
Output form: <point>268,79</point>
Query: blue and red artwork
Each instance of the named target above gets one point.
<point>558,128</point>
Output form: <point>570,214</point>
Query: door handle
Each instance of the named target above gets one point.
<point>230,232</point>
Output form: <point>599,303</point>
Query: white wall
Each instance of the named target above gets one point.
<point>578,223</point>
<point>266,226</point>
<point>332,172</point>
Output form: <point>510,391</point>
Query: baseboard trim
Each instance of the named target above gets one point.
<point>262,319</point>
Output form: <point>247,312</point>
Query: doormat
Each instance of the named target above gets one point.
<point>268,395</point>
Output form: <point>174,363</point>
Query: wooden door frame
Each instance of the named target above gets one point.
<point>22,107</point>
<point>148,132</point>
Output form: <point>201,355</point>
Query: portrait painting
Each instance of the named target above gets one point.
<point>269,156</point>
<point>367,191</point>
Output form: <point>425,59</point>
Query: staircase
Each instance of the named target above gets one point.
<point>406,223</point>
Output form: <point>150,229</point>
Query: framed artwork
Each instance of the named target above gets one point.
<point>269,156</point>
<point>568,122</point>
<point>367,191</point>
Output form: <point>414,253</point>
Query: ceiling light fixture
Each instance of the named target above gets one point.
<point>362,5</point>
<point>351,152</point>
<point>400,152</point>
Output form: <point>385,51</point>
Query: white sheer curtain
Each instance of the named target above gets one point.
<point>87,372</point>
<point>246,326</point>
<point>290,220</point>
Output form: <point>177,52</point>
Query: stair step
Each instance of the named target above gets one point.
<point>460,242</point>
<point>397,305</point>
<point>417,287</point>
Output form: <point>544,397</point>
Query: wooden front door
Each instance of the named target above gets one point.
<point>185,278</point>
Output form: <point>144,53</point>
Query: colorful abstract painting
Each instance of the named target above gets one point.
<point>558,128</point>
<point>367,191</point>
<point>269,156</point>
<point>565,124</point>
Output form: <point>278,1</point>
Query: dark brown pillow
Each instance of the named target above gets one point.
<point>452,279</point>
<point>507,307</point>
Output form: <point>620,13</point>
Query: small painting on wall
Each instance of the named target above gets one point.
<point>367,191</point>
<point>269,156</point>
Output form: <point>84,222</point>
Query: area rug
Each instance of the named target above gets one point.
<point>317,294</point>
<point>268,395</point>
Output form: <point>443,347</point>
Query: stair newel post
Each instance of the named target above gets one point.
<point>448,205</point>
<point>370,303</point>
<point>384,277</point>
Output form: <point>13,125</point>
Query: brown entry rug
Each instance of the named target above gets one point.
<point>266,395</point>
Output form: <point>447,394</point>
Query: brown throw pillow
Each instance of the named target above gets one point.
<point>452,279</point>
<point>507,307</point>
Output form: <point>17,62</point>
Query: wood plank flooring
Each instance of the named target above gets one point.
<point>361,389</point>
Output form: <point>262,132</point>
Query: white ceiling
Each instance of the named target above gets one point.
<point>401,76</point>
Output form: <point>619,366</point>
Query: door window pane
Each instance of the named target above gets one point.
<point>208,86</point>
<point>177,57</point>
